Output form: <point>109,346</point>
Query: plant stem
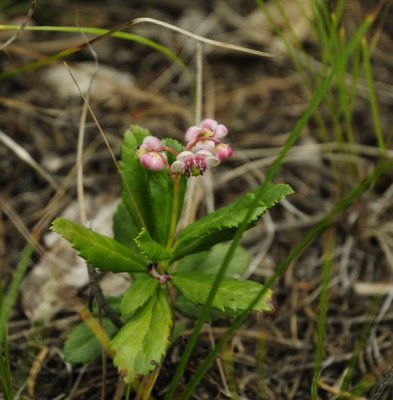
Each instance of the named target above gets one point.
<point>175,211</point>
<point>99,297</point>
<point>147,385</point>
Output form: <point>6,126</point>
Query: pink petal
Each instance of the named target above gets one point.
<point>152,161</point>
<point>221,131</point>
<point>209,123</point>
<point>192,133</point>
<point>152,143</point>
<point>222,151</point>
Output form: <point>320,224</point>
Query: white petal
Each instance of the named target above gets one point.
<point>212,161</point>
<point>205,145</point>
<point>184,155</point>
<point>204,152</point>
<point>177,166</point>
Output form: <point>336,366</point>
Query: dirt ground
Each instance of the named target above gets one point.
<point>259,100</point>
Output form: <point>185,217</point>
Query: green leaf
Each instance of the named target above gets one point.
<point>221,225</point>
<point>209,262</point>
<point>148,195</point>
<point>99,250</point>
<point>134,179</point>
<point>161,192</point>
<point>142,342</point>
<point>124,227</point>
<point>82,346</point>
<point>233,294</point>
<point>160,187</point>
<point>193,311</point>
<point>138,294</point>
<point>151,249</point>
<point>273,193</point>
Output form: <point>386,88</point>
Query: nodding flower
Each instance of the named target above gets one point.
<point>222,151</point>
<point>150,154</point>
<point>203,150</point>
<point>153,160</point>
<point>150,143</point>
<point>205,136</point>
<point>194,164</point>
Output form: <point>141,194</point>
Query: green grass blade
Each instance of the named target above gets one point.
<point>360,344</point>
<point>320,93</point>
<point>310,236</point>
<point>372,96</point>
<point>6,386</point>
<point>13,290</point>
<point>322,313</point>
<point>88,31</point>
<point>7,303</point>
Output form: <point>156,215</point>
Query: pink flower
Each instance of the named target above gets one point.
<point>150,143</point>
<point>196,164</point>
<point>222,151</point>
<point>206,135</point>
<point>153,160</point>
<point>150,154</point>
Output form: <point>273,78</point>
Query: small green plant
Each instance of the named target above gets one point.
<point>171,267</point>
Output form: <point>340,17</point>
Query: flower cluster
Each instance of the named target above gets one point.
<point>203,150</point>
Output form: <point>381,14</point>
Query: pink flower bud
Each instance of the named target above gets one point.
<point>222,151</point>
<point>153,161</point>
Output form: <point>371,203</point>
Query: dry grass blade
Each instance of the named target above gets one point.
<point>35,370</point>
<point>19,224</point>
<point>93,278</point>
<point>27,158</point>
<point>202,39</point>
<point>27,18</point>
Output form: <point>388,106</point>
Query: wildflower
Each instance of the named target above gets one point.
<point>153,160</point>
<point>150,155</point>
<point>205,136</point>
<point>150,143</point>
<point>222,151</point>
<point>194,164</point>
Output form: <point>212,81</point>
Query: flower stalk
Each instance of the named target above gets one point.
<point>175,211</point>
